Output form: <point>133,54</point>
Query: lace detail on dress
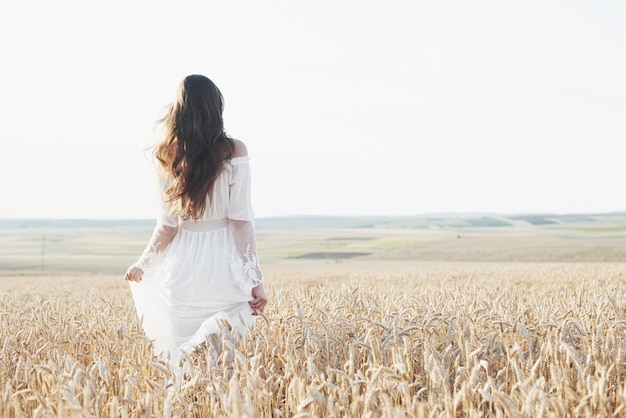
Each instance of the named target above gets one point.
<point>150,256</point>
<point>244,262</point>
<point>245,269</point>
<point>156,248</point>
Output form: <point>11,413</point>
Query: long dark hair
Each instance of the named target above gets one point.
<point>194,145</point>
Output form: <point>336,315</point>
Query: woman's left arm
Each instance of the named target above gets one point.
<point>162,237</point>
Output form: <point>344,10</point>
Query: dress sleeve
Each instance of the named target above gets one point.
<point>244,259</point>
<point>240,190</point>
<point>162,236</point>
<point>164,231</point>
<point>166,216</point>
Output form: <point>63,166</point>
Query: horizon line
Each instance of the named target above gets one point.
<point>418,215</point>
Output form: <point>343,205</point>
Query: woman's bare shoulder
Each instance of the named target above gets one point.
<point>240,149</point>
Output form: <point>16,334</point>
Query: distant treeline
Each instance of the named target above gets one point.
<point>445,220</point>
<point>75,223</point>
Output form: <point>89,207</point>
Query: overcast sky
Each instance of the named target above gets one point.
<point>347,107</point>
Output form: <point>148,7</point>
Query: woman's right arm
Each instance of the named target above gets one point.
<point>245,260</point>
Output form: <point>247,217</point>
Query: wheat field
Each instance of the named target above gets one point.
<point>355,338</point>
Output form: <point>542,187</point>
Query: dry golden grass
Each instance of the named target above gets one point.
<point>338,339</point>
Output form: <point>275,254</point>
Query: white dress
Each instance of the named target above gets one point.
<point>200,272</point>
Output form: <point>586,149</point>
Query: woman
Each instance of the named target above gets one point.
<point>200,268</point>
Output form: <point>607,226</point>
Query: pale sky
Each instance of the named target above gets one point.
<point>347,107</point>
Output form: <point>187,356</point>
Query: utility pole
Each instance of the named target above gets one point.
<point>43,252</point>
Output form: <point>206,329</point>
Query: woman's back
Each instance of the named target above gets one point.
<point>236,172</point>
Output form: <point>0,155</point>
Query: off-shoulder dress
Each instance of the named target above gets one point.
<point>198,273</point>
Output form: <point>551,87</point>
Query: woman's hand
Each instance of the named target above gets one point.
<point>134,274</point>
<point>259,301</point>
